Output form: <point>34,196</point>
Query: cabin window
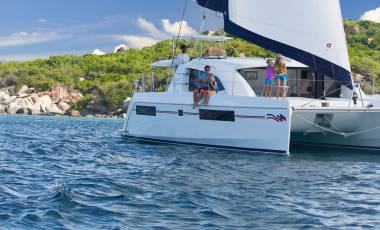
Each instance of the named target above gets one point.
<point>146,110</point>
<point>251,75</point>
<point>304,75</point>
<point>324,120</point>
<point>216,115</point>
<point>193,80</point>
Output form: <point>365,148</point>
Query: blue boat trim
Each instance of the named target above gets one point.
<point>196,114</point>
<point>167,112</point>
<point>203,145</point>
<point>334,146</point>
<point>250,117</point>
<point>215,5</point>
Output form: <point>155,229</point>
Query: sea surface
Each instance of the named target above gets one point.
<point>70,173</point>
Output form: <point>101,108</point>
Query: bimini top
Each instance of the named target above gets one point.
<point>203,38</point>
<point>235,63</point>
<point>244,63</point>
<point>310,32</point>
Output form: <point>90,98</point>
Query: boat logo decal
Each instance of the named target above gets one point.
<point>278,118</point>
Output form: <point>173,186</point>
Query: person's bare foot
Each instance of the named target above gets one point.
<point>194,106</point>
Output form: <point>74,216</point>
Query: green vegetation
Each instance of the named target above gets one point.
<point>363,39</point>
<point>110,78</point>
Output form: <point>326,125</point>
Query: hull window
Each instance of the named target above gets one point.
<point>216,115</point>
<point>324,120</point>
<point>146,110</point>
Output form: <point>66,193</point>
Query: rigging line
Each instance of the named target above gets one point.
<point>318,126</point>
<point>180,26</point>
<point>346,135</point>
<point>233,48</point>
<point>315,64</point>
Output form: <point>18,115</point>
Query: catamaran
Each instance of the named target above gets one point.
<point>325,106</point>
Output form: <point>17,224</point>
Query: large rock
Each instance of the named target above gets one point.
<point>34,111</point>
<point>2,109</point>
<point>23,111</point>
<point>55,110</point>
<point>62,93</point>
<point>63,106</point>
<point>22,91</point>
<point>56,102</point>
<point>5,98</point>
<point>13,107</point>
<point>20,105</point>
<point>73,113</point>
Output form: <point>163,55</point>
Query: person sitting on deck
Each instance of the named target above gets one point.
<point>282,76</point>
<point>269,80</point>
<point>203,87</point>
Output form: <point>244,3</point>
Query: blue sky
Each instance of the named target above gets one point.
<point>40,28</point>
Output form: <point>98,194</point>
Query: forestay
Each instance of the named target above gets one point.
<point>310,32</point>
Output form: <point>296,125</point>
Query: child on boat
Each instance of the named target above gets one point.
<point>213,84</point>
<point>269,80</point>
<point>282,77</point>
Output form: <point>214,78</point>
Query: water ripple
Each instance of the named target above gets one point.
<point>65,173</point>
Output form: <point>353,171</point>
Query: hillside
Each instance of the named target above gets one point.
<point>363,38</point>
<point>109,79</point>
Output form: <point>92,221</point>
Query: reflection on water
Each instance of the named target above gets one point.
<point>64,173</point>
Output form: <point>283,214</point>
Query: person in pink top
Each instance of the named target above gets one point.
<point>269,79</point>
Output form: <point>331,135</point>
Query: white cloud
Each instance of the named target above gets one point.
<point>372,15</point>
<point>154,34</point>
<point>41,20</point>
<point>135,41</point>
<point>23,34</point>
<point>150,28</point>
<point>21,57</point>
<point>25,38</point>
<point>173,28</point>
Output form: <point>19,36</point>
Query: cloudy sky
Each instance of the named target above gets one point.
<point>40,28</point>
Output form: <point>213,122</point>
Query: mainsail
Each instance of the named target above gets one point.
<point>309,31</point>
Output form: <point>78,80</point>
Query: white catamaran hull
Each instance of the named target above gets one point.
<point>348,128</point>
<point>229,122</point>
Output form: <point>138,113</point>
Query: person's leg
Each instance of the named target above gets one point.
<point>207,98</point>
<point>265,91</point>
<point>285,89</point>
<point>195,95</point>
<point>270,88</point>
<point>278,88</point>
<point>198,99</point>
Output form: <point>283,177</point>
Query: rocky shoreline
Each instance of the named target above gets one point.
<point>58,101</point>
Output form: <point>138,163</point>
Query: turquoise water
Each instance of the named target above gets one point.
<point>65,173</point>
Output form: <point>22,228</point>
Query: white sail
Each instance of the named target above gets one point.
<point>315,26</point>
<point>309,31</point>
